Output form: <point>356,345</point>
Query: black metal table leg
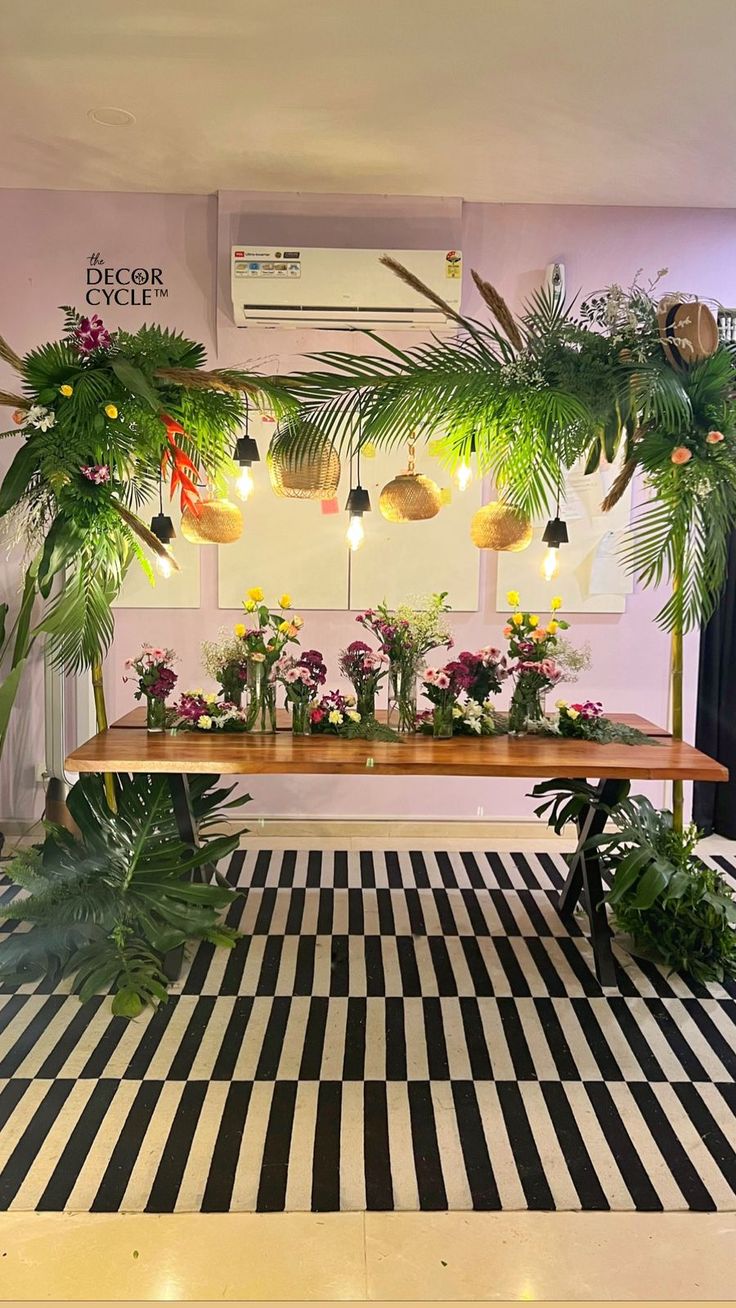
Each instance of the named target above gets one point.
<point>584,878</point>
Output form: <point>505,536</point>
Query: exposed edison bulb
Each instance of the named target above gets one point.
<point>355,534</point>
<point>464,476</point>
<point>164,566</point>
<point>244,485</point>
<point>550,564</point>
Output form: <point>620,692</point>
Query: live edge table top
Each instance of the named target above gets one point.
<point>241,754</point>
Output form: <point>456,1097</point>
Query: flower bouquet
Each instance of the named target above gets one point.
<point>198,711</point>
<point>301,678</point>
<point>336,715</point>
<point>226,661</point>
<point>333,711</point>
<point>156,680</point>
<point>406,635</point>
<point>365,669</point>
<point>586,721</point>
<point>443,686</point>
<point>536,671</point>
<point>264,645</point>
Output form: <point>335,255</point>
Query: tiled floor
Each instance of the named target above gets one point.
<point>374,1256</point>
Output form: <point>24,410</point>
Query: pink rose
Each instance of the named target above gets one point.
<point>715,437</point>
<point>681,454</point>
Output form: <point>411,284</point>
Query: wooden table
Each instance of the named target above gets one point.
<point>129,748</point>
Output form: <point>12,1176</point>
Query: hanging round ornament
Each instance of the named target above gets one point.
<point>218,522</point>
<point>410,497</point>
<point>688,331</point>
<point>497,526</point>
<point>310,473</point>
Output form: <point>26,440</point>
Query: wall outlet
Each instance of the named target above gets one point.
<point>480,811</point>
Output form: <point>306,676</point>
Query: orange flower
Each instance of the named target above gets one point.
<point>539,634</point>
<point>681,454</point>
<point>715,437</point>
<point>507,632</point>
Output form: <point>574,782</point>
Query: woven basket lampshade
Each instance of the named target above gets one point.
<point>312,473</point>
<point>219,523</point>
<point>688,331</point>
<point>410,497</point>
<point>498,527</point>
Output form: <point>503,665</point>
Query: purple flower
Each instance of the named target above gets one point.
<point>95,472</point>
<point>91,334</point>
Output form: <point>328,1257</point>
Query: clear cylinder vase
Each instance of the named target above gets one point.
<point>261,711</point>
<point>366,702</point>
<point>155,714</point>
<point>301,722</point>
<point>402,697</point>
<point>233,693</point>
<point>526,708</point>
<point>442,721</point>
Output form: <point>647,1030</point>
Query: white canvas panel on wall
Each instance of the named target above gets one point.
<point>403,559</point>
<point>592,578</point>
<point>179,591</point>
<point>287,544</point>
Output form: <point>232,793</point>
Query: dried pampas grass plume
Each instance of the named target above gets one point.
<point>411,280</point>
<point>499,309</point>
<point>10,356</point>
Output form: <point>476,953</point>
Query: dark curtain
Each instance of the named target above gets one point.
<point>714,804</point>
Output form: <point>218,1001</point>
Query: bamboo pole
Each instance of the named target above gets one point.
<point>98,690</point>
<point>676,670</point>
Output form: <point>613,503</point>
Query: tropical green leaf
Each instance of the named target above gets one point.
<point>133,379</point>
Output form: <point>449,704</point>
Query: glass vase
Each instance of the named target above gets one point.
<point>233,693</point>
<point>402,697</point>
<point>301,722</point>
<point>261,711</point>
<point>526,707</point>
<point>442,721</point>
<point>155,714</point>
<point>366,702</point>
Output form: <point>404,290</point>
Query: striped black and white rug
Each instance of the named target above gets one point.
<point>394,1031</point>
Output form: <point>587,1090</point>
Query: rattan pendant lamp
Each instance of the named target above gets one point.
<point>410,497</point>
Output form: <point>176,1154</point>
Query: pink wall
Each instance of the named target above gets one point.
<point>46,240</point>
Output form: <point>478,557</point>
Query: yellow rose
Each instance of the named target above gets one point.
<point>239,630</point>
<point>512,598</point>
<point>517,619</point>
<point>561,703</point>
<point>111,411</point>
<point>552,627</point>
<point>284,626</point>
<point>285,602</point>
<point>533,620</point>
<point>573,713</point>
<point>66,390</point>
<point>210,698</point>
<point>204,723</point>
<point>255,593</point>
<point>354,715</point>
<point>249,606</point>
<point>555,604</point>
<point>335,717</point>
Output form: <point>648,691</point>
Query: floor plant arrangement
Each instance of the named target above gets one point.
<point>673,906</point>
<point>106,906</point>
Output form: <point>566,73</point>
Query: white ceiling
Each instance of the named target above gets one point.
<point>560,101</point>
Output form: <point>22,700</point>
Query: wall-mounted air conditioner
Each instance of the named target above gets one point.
<point>289,286</point>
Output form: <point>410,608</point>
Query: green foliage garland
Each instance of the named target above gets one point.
<point>99,412</point>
